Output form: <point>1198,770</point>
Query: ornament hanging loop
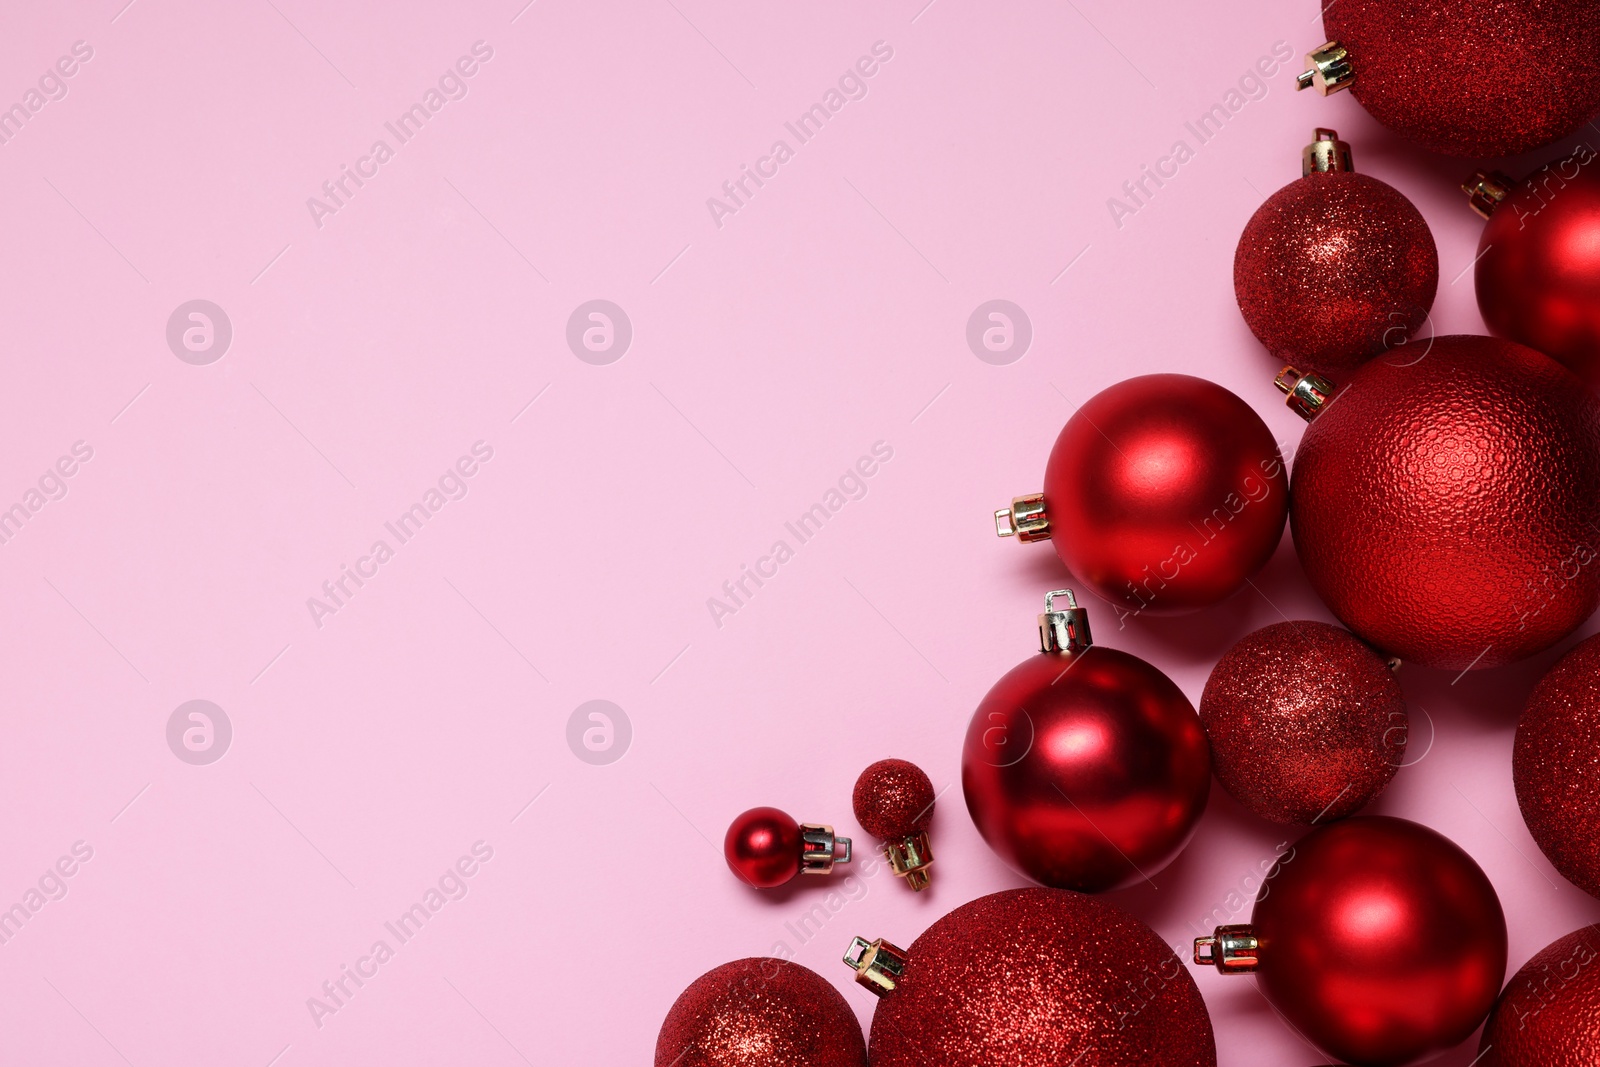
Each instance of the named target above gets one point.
<point>1329,70</point>
<point>1024,519</point>
<point>1232,949</point>
<point>1063,631</point>
<point>1485,189</point>
<point>1326,154</point>
<point>1307,394</point>
<point>820,849</point>
<point>878,964</point>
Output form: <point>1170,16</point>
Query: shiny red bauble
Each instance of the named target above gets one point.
<point>762,846</point>
<point>760,1012</point>
<point>1040,976</point>
<point>1306,723</point>
<point>1084,767</point>
<point>1538,266</point>
<point>1446,503</point>
<point>1163,494</point>
<point>1336,267</point>
<point>1378,939</point>
<point>1553,765</point>
<point>1465,79</point>
<point>1549,1013</point>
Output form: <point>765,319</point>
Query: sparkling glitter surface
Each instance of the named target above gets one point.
<point>1042,976</point>
<point>1306,723</point>
<point>1487,79</point>
<point>1549,1014</point>
<point>760,1012</point>
<point>1333,269</point>
<point>1555,765</point>
<point>893,798</point>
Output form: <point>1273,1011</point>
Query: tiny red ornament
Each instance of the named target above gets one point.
<point>1379,940</point>
<point>760,1012</point>
<point>1163,493</point>
<point>766,848</point>
<point>1306,723</point>
<point>1549,1013</point>
<point>1553,765</point>
<point>1538,266</point>
<point>1446,503</point>
<point>1029,977</point>
<point>1465,79</point>
<point>1336,267</point>
<point>893,801</point>
<point>1084,767</point>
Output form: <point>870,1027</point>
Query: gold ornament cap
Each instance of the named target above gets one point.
<point>1326,154</point>
<point>1307,393</point>
<point>821,848</point>
<point>1486,188</point>
<point>1024,519</point>
<point>909,858</point>
<point>1063,631</point>
<point>1232,949</point>
<point>878,964</point>
<point>1328,70</point>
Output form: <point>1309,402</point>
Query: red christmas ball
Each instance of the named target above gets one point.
<point>1163,493</point>
<point>1465,79</point>
<point>1553,765</point>
<point>760,1012</point>
<point>762,846</point>
<point>1335,267</point>
<point>1378,939</point>
<point>893,798</point>
<point>1549,1013</point>
<point>1040,976</point>
<point>1306,723</point>
<point>1538,266</point>
<point>1446,502</point>
<point>1084,767</point>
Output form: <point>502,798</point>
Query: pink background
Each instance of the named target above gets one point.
<point>768,354</point>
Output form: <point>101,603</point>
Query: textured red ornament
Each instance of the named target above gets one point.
<point>1538,267</point>
<point>1378,939</point>
<point>1446,505</point>
<point>1163,493</point>
<point>1549,1014</point>
<point>1335,267</point>
<point>760,1012</point>
<point>1553,765</point>
<point>893,798</point>
<point>1040,976</point>
<point>1469,79</point>
<point>1306,723</point>
<point>1084,767</point>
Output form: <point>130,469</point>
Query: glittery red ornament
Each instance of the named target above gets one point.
<point>1030,977</point>
<point>1465,79</point>
<point>1335,267</point>
<point>1084,767</point>
<point>893,801</point>
<point>1553,765</point>
<point>1164,493</point>
<point>1446,504</point>
<point>1306,723</point>
<point>766,848</point>
<point>1549,1013</point>
<point>1378,939</point>
<point>1538,267</point>
<point>760,1012</point>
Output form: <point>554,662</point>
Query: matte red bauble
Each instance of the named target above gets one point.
<point>1445,503</point>
<point>1378,939</point>
<point>1306,723</point>
<point>766,848</point>
<point>1538,266</point>
<point>1163,493</point>
<point>893,801</point>
<point>1554,768</point>
<point>1336,267</point>
<point>1465,79</point>
<point>1549,1014</point>
<point>1084,767</point>
<point>760,1012</point>
<point>1031,977</point>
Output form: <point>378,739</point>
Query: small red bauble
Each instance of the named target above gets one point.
<point>1306,723</point>
<point>1446,504</point>
<point>1378,939</point>
<point>1549,1014</point>
<point>1030,977</point>
<point>1164,493</point>
<point>1335,267</point>
<point>1084,767</point>
<point>1553,765</point>
<point>760,1012</point>
<point>893,801</point>
<point>1538,265</point>
<point>766,848</point>
<point>1465,79</point>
